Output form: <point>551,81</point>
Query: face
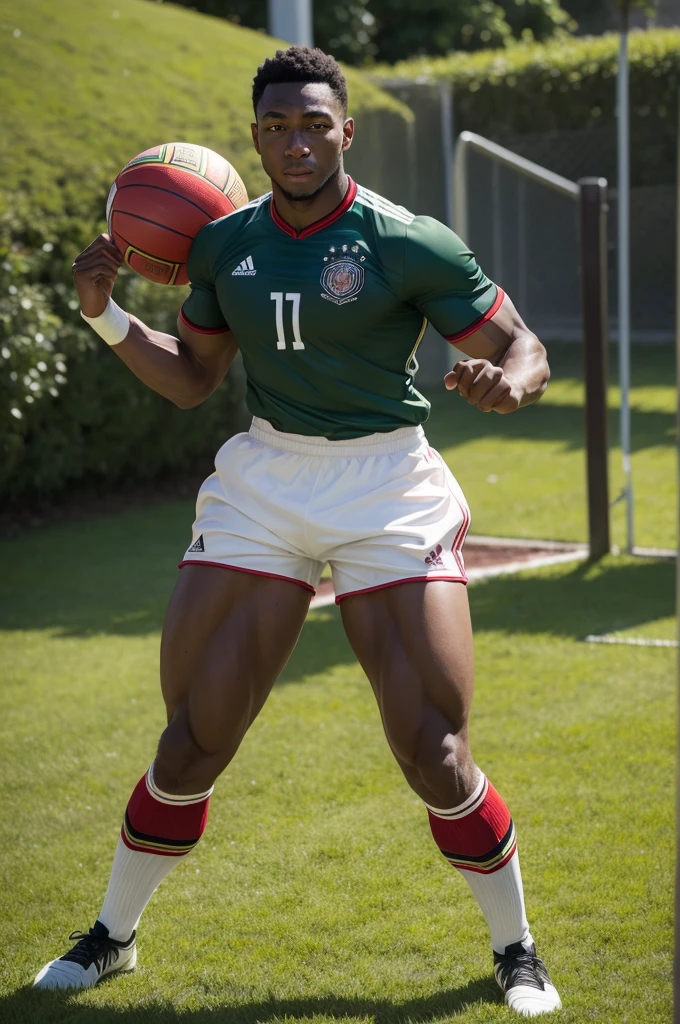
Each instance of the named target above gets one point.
<point>301,134</point>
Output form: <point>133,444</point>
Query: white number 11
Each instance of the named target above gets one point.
<point>293,297</point>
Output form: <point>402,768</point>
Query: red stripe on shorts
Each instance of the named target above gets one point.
<point>253,572</point>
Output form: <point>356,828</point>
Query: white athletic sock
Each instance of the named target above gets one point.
<point>158,831</point>
<point>501,899</point>
<point>134,879</point>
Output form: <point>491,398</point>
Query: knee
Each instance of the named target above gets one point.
<point>445,768</point>
<point>179,757</point>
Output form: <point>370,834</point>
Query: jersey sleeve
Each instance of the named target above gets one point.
<point>201,310</point>
<point>444,281</point>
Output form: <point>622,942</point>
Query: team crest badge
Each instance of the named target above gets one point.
<point>343,275</point>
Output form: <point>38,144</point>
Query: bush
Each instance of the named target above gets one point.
<point>568,84</point>
<point>70,411</point>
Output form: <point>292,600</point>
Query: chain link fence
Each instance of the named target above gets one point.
<point>526,236</point>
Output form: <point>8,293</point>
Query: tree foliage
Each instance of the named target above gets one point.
<point>594,17</point>
<point>436,26</point>
<point>361,31</point>
<point>644,5</point>
<point>536,20</point>
<point>346,30</point>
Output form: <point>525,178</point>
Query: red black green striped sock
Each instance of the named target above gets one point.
<point>478,838</point>
<point>163,824</point>
<point>158,829</point>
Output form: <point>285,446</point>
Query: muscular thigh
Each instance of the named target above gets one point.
<point>227,635</point>
<point>414,641</point>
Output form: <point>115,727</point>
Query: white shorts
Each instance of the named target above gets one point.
<point>381,510</point>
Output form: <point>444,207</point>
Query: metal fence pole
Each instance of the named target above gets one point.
<point>522,262</point>
<point>623,216</point>
<point>446,116</point>
<point>593,240</point>
<point>291,20</point>
<point>496,222</point>
<point>460,218</point>
<point>412,163</point>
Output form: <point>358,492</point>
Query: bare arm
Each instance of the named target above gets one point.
<point>186,369</point>
<point>508,365</point>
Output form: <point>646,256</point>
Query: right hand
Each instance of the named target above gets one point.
<point>94,274</point>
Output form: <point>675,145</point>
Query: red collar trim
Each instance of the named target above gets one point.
<point>318,225</point>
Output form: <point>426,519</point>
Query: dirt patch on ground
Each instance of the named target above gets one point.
<point>486,556</point>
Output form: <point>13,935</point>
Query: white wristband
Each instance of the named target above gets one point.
<point>112,325</point>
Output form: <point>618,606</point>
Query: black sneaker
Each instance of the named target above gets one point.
<point>93,956</point>
<point>525,980</point>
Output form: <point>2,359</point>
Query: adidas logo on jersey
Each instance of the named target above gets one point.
<point>197,546</point>
<point>245,268</point>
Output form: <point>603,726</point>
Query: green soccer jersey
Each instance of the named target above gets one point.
<point>328,319</point>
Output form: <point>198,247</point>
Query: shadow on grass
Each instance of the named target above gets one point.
<point>30,1007</point>
<point>453,422</point>
<point>129,593</point>
<point>575,600</point>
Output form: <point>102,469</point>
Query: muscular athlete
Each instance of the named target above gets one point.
<point>325,288</point>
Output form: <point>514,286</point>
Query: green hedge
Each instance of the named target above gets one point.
<point>86,85</point>
<point>70,411</point>
<point>568,84</point>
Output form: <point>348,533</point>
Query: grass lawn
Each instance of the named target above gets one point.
<point>316,894</point>
<point>516,489</point>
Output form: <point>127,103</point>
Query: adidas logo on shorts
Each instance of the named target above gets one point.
<point>196,546</point>
<point>245,268</point>
<point>434,557</point>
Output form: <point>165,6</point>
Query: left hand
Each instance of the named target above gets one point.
<point>484,385</point>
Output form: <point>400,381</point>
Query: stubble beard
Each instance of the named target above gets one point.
<point>306,196</point>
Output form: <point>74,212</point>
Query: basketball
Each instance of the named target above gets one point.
<point>161,200</point>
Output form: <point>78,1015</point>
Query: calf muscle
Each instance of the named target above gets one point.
<point>415,644</point>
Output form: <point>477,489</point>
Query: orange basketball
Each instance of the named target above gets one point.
<point>161,200</point>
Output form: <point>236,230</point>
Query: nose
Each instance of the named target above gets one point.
<point>297,148</point>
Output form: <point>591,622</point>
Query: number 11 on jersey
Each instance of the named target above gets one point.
<point>293,297</point>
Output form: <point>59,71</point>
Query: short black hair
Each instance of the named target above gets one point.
<point>300,64</point>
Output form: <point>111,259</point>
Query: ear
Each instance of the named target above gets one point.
<point>347,133</point>
<point>256,141</point>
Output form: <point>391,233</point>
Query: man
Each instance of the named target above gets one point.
<point>328,317</point>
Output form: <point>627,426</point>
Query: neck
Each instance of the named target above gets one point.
<point>300,213</point>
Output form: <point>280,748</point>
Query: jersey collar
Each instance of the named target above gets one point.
<point>318,225</point>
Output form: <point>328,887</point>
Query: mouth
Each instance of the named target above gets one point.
<point>294,174</point>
